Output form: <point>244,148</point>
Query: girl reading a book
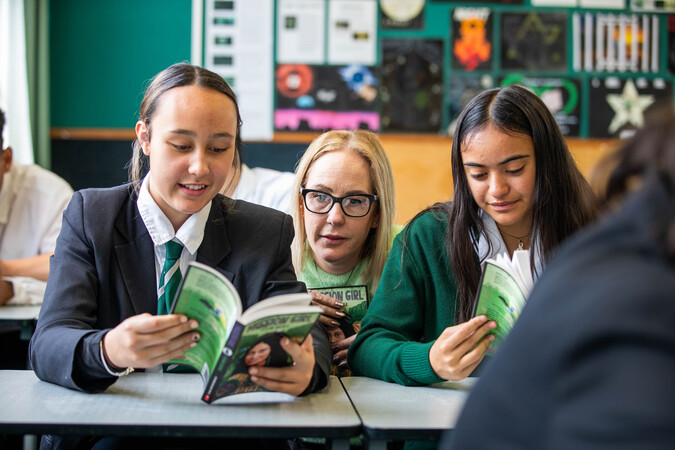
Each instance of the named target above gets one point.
<point>515,186</point>
<point>121,250</point>
<point>343,213</point>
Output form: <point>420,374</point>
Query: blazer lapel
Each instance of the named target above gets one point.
<point>136,256</point>
<point>216,245</point>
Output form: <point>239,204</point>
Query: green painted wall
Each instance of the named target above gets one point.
<point>104,52</point>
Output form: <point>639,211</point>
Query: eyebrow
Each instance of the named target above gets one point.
<point>192,133</point>
<point>506,161</point>
<point>323,187</point>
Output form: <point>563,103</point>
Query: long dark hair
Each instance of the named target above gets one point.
<point>563,200</point>
<point>177,75</point>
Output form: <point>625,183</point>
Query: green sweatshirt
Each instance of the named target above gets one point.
<point>414,303</point>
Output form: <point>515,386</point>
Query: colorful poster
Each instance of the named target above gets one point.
<point>534,41</point>
<point>618,107</point>
<point>460,90</point>
<point>402,14</point>
<point>412,85</point>
<point>472,39</point>
<point>317,98</point>
<point>561,95</point>
<point>615,42</point>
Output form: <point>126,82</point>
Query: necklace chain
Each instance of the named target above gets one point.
<point>520,239</point>
<point>319,270</point>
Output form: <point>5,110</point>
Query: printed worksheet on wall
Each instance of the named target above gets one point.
<point>301,30</point>
<point>238,45</point>
<point>352,32</point>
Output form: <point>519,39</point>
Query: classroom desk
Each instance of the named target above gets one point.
<point>393,412</point>
<point>21,316</point>
<point>169,405</point>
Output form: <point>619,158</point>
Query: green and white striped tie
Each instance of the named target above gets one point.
<point>170,278</point>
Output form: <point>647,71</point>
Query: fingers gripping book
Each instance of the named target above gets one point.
<point>503,289</point>
<point>233,340</point>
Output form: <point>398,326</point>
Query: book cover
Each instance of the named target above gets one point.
<point>233,340</point>
<point>355,300</point>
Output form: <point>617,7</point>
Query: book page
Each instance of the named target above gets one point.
<point>205,295</point>
<point>500,299</point>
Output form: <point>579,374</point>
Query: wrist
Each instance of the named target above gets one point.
<point>111,368</point>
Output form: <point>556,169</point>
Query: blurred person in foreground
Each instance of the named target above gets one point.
<point>590,362</point>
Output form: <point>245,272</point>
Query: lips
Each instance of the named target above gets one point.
<point>502,205</point>
<point>332,238</point>
<point>193,189</point>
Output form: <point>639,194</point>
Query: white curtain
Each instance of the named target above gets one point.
<point>14,81</point>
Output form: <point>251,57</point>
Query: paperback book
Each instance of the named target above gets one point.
<point>233,340</point>
<point>504,287</point>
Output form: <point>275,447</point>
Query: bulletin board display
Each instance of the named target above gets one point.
<point>409,66</point>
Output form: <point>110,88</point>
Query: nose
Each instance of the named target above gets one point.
<point>498,186</point>
<point>199,164</point>
<point>336,215</point>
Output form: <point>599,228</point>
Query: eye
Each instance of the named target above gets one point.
<point>179,146</point>
<point>515,171</point>
<point>355,201</point>
<point>320,197</point>
<point>478,176</point>
<point>219,149</point>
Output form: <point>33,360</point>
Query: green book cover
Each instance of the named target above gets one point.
<point>231,339</point>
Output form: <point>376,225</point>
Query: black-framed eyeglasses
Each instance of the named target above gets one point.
<point>355,205</point>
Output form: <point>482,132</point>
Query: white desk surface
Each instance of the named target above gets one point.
<point>158,404</point>
<point>392,411</point>
<point>18,313</point>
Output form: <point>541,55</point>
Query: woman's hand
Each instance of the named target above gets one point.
<point>292,379</point>
<point>145,340</point>
<point>340,350</point>
<point>459,349</point>
<point>332,309</point>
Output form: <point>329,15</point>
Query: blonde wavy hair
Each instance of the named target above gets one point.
<point>367,145</point>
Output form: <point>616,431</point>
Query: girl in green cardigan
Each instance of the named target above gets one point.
<point>515,186</point>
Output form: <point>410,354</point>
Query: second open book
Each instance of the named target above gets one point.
<point>503,289</point>
<point>233,340</point>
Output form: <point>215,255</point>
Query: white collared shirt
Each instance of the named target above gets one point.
<point>190,234</point>
<point>266,187</point>
<point>497,246</point>
<point>32,201</point>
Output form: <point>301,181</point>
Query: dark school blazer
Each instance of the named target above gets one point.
<point>103,271</point>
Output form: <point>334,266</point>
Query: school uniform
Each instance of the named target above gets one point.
<point>103,271</point>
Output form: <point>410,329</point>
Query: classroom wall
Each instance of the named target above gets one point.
<point>104,53</point>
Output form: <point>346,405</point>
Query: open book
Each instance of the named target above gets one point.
<point>503,290</point>
<point>232,340</point>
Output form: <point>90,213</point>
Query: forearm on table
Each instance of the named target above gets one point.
<point>34,267</point>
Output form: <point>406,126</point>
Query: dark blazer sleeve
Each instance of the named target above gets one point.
<point>68,313</point>
<point>101,273</point>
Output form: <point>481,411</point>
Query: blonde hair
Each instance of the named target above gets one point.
<point>368,146</point>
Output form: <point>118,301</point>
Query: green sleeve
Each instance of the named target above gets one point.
<point>413,304</point>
